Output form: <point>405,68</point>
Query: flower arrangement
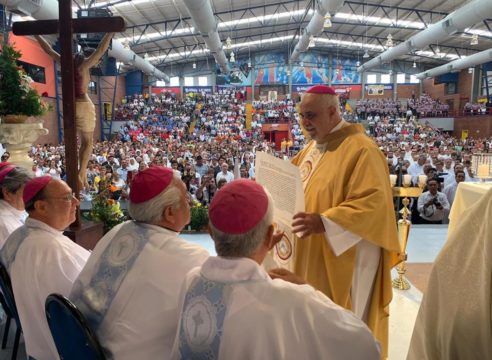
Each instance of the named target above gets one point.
<point>106,210</point>
<point>198,216</point>
<point>17,97</point>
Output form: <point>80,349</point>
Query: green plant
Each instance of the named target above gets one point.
<point>17,97</point>
<point>198,217</point>
<point>106,210</point>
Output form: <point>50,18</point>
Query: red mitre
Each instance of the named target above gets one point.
<point>321,89</point>
<point>149,183</point>
<point>238,207</point>
<point>5,171</point>
<point>34,186</point>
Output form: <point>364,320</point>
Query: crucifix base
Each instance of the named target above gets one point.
<point>87,234</point>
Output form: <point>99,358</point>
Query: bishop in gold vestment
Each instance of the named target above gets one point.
<point>346,187</point>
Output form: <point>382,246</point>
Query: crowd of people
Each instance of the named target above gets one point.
<point>147,293</point>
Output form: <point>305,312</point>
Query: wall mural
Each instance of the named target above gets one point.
<point>240,74</point>
<point>313,71</point>
<point>345,71</point>
<point>271,69</point>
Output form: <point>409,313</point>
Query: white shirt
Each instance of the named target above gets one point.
<point>10,219</point>
<point>46,262</point>
<point>269,319</point>
<point>142,318</point>
<point>229,176</point>
<point>432,213</point>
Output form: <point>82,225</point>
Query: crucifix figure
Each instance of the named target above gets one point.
<point>66,27</point>
<point>85,112</point>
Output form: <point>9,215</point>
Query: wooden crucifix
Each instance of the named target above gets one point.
<point>66,27</point>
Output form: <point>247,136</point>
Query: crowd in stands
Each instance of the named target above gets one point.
<point>205,139</point>
<point>476,109</point>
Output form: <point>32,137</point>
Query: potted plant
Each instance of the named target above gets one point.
<point>198,217</point>
<point>18,100</point>
<point>106,210</point>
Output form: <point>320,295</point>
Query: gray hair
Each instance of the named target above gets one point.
<point>14,180</point>
<point>150,211</point>
<point>243,245</point>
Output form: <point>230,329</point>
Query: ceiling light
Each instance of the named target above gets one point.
<point>414,64</point>
<point>249,64</point>
<point>357,63</point>
<point>194,65</point>
<point>288,72</point>
<point>301,63</point>
<point>437,50</point>
<point>474,39</point>
<point>232,58</point>
<point>366,55</point>
<point>470,70</point>
<point>390,72</point>
<point>389,41</point>
<point>327,23</point>
<point>311,42</point>
<point>228,43</point>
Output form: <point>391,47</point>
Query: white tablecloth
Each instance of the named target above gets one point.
<point>467,194</point>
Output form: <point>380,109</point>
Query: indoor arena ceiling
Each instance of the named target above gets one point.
<point>162,30</point>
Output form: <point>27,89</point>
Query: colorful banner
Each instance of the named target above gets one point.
<point>339,89</point>
<point>345,71</point>
<point>271,69</point>
<point>159,90</point>
<point>464,134</point>
<point>240,75</point>
<point>375,90</point>
<point>313,71</point>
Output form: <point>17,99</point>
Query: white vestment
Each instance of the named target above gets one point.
<point>10,219</point>
<point>42,261</point>
<point>230,308</point>
<point>141,320</point>
<point>455,317</point>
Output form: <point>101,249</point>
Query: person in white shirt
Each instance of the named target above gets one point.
<point>12,214</point>
<point>134,309</point>
<point>41,260</point>
<point>231,308</point>
<point>432,205</point>
<point>450,190</point>
<point>224,174</point>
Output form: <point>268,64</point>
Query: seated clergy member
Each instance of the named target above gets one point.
<point>455,317</point>
<point>41,261</point>
<point>12,214</point>
<point>129,288</point>
<point>232,309</point>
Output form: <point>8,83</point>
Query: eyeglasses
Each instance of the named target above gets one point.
<point>67,198</point>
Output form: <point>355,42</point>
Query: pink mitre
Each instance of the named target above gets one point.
<point>321,89</point>
<point>238,207</point>
<point>5,171</point>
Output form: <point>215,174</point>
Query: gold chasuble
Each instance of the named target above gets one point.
<point>346,179</point>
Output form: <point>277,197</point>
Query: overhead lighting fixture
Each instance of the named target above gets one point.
<point>311,42</point>
<point>232,59</point>
<point>437,50</point>
<point>357,63</point>
<point>228,43</point>
<point>146,56</point>
<point>414,64</point>
<point>474,39</point>
<point>194,65</point>
<point>389,41</point>
<point>390,72</point>
<point>327,23</point>
<point>470,70</point>
<point>366,55</point>
<point>249,64</point>
<point>288,72</point>
<point>301,63</point>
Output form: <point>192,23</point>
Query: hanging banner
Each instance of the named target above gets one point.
<point>464,134</point>
<point>249,115</point>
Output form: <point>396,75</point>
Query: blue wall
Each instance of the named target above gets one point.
<point>134,83</point>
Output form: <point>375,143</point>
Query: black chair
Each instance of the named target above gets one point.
<point>8,314</point>
<point>10,309</point>
<point>73,337</point>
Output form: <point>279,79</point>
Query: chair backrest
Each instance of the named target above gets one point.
<point>73,337</point>
<point>8,293</point>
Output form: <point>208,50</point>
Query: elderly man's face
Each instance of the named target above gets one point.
<point>62,205</point>
<point>317,117</point>
<point>224,167</point>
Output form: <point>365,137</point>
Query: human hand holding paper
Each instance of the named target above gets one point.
<point>305,224</point>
